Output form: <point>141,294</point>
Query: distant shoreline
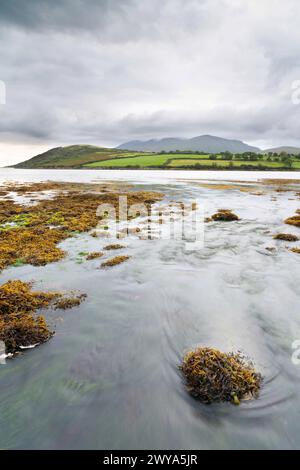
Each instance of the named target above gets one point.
<point>192,168</point>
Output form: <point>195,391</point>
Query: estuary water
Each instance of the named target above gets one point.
<point>109,378</point>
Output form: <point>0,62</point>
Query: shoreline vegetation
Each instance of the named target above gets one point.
<point>89,157</point>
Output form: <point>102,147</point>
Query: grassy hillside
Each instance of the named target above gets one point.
<point>73,156</point>
<point>88,156</point>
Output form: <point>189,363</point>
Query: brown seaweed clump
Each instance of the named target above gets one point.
<point>66,302</point>
<point>30,233</point>
<point>36,246</point>
<point>212,376</point>
<point>295,250</point>
<point>114,246</point>
<point>294,220</point>
<point>288,237</point>
<point>20,326</point>
<point>94,255</point>
<point>224,215</point>
<point>114,261</point>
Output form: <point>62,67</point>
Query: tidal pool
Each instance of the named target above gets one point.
<point>109,378</point>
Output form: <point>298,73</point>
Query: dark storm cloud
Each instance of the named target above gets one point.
<point>58,14</point>
<point>107,71</point>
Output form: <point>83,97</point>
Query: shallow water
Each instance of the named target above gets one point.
<point>140,176</point>
<point>109,378</point>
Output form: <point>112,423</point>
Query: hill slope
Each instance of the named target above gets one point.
<point>72,156</point>
<point>205,143</point>
<point>287,149</point>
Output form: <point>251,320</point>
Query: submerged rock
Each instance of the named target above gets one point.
<point>224,215</point>
<point>212,376</point>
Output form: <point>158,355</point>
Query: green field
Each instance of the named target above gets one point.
<point>185,156</point>
<point>181,161</point>
<point>222,163</point>
<point>145,160</point>
<point>141,161</point>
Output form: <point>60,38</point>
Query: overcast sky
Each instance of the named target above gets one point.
<point>107,71</point>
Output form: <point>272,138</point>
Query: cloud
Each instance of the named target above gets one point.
<point>104,72</point>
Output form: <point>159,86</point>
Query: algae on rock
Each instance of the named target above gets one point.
<point>212,376</point>
<point>114,261</point>
<point>20,326</point>
<point>224,215</point>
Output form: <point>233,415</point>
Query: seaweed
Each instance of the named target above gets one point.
<point>213,376</point>
<point>224,215</point>
<point>114,261</point>
<point>295,250</point>
<point>94,255</point>
<point>36,246</point>
<point>294,220</point>
<point>17,297</point>
<point>31,233</point>
<point>66,302</point>
<point>20,326</point>
<point>114,246</point>
<point>288,237</point>
<point>21,332</point>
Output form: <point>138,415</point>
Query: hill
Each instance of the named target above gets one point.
<point>73,156</point>
<point>203,143</point>
<point>287,149</point>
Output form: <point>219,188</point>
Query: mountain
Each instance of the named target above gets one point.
<point>72,156</point>
<point>287,149</point>
<point>205,143</point>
